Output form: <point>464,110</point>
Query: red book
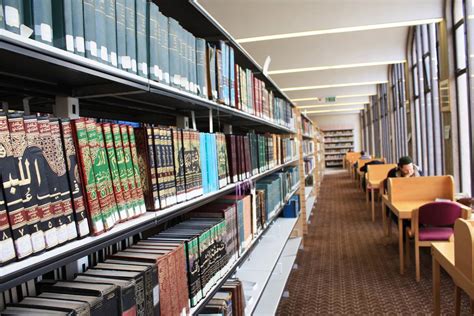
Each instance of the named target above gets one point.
<point>87,176</point>
<point>138,182</point>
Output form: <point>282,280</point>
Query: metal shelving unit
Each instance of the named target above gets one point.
<point>331,139</point>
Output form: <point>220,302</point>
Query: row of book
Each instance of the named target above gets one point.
<point>338,133</point>
<point>338,139</point>
<point>63,180</point>
<point>308,146</point>
<point>339,145</point>
<point>229,300</point>
<point>133,35</point>
<point>306,127</point>
<point>309,164</point>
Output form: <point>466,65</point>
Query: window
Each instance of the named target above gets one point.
<point>463,41</point>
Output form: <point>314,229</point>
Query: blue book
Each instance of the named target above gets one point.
<point>121,28</point>
<point>89,29</point>
<point>163,55</point>
<point>111,33</point>
<point>2,16</point>
<point>215,162</point>
<point>205,172</point>
<point>153,41</point>
<point>174,48</point>
<point>130,60</point>
<point>141,29</point>
<point>100,31</point>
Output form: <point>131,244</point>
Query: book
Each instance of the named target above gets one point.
<point>136,171</point>
<point>86,172</point>
<point>121,204</point>
<point>38,16</point>
<point>163,56</point>
<point>123,172</point>
<point>78,27</point>
<point>201,65</point>
<point>28,185</point>
<point>95,306</point>
<point>90,29</point>
<point>62,178</point>
<point>111,32</point>
<point>129,61</point>
<point>211,74</point>
<point>142,34</point>
<point>135,198</point>
<point>75,185</point>
<point>154,42</point>
<point>2,16</point>
<point>6,240</point>
<point>72,307</point>
<point>121,29</point>
<point>173,52</point>
<point>62,25</point>
<point>179,168</point>
<point>146,164</point>
<point>101,31</point>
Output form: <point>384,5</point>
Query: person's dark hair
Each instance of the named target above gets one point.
<point>405,160</point>
<point>362,152</point>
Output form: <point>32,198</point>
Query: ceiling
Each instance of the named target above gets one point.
<point>325,48</point>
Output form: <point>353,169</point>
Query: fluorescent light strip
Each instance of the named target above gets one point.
<point>337,97</point>
<point>338,110</point>
<point>378,63</point>
<point>329,105</point>
<point>338,30</point>
<point>334,85</point>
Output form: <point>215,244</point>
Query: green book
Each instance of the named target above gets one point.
<point>100,31</point>
<point>130,172</point>
<point>136,170</point>
<point>121,25</point>
<point>163,54</point>
<point>38,15</point>
<point>2,16</point>
<point>153,42</point>
<point>89,29</point>
<point>174,49</point>
<point>63,34</point>
<point>142,48</point>
<point>200,61</point>
<point>78,27</point>
<point>111,33</point>
<point>13,13</point>
<point>130,61</point>
<point>183,60</point>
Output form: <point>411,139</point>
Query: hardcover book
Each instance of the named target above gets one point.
<point>136,171</point>
<point>130,172</point>
<point>179,168</point>
<point>75,185</point>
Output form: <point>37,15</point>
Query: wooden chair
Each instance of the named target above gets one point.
<point>432,222</point>
<point>464,257</point>
<point>375,176</point>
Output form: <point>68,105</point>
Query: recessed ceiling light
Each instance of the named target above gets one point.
<point>333,85</point>
<point>338,30</point>
<point>337,97</point>
<point>337,110</point>
<point>328,105</point>
<point>378,63</point>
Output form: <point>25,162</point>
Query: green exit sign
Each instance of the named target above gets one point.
<point>330,99</point>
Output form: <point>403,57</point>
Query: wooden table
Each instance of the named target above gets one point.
<point>402,210</point>
<point>373,185</point>
<point>443,255</point>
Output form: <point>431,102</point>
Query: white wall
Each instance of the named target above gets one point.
<point>337,121</point>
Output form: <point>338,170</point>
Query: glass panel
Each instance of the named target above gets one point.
<point>464,143</point>
<point>458,10</point>
<point>460,47</point>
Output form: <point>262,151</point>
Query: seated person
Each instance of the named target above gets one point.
<point>405,168</point>
<point>363,156</point>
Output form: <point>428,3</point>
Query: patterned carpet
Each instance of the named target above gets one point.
<point>347,267</point>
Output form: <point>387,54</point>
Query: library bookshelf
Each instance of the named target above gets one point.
<point>336,143</point>
<point>41,77</point>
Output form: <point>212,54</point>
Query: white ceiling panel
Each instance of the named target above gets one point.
<point>332,92</point>
<point>337,101</point>
<point>249,18</point>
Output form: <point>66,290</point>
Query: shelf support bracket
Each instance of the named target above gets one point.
<point>193,119</point>
<point>211,122</point>
<point>4,106</point>
<point>66,107</point>
<point>227,128</point>
<point>26,105</point>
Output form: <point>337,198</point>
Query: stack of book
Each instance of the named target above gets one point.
<point>272,187</point>
<point>289,149</point>
<point>133,35</point>
<point>229,300</point>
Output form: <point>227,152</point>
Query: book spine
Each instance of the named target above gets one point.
<point>75,186</point>
<point>97,159</point>
<point>89,29</point>
<point>6,239</point>
<point>130,172</point>
<point>121,29</point>
<point>183,63</point>
<point>159,166</point>
<point>163,56</point>
<point>179,165</point>
<point>13,15</point>
<point>111,33</point>
<point>171,187</point>
<point>87,176</point>
<point>114,172</point>
<point>38,16</point>
<point>100,31</point>
<point>219,76</point>
<point>62,25</point>
<point>142,47</point>
<point>164,279</point>
<point>153,42</point>
<point>174,49</point>
<point>130,62</point>
<point>147,166</point>
<point>2,26</point>
<point>211,72</point>
<point>152,167</point>
<point>47,144</point>
<point>136,171</point>
<point>197,164</point>
<point>61,170</point>
<point>14,187</point>
<point>78,27</point>
<point>123,175</point>
<point>203,144</point>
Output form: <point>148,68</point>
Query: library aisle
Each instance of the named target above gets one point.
<point>347,267</point>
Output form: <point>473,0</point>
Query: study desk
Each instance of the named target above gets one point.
<point>402,210</point>
<point>373,185</point>
<point>443,255</point>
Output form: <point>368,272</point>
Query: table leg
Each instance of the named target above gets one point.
<point>400,245</point>
<point>436,288</point>
<point>457,300</point>
<point>372,197</point>
<point>366,196</point>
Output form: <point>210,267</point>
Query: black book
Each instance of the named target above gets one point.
<point>94,302</point>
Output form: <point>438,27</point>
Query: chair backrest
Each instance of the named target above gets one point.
<point>464,247</point>
<point>352,157</point>
<point>439,213</point>
<point>420,188</point>
<point>378,172</point>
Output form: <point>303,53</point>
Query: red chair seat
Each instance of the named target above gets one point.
<point>435,233</point>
